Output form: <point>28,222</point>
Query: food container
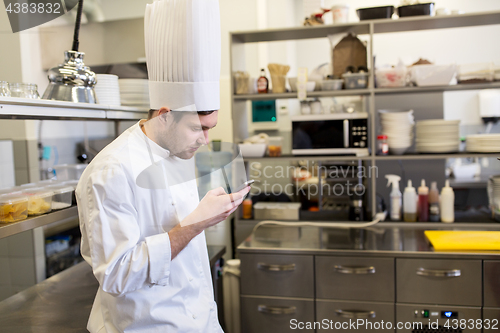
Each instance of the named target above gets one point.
<point>252,149</point>
<point>63,196</point>
<point>9,190</point>
<point>416,10</point>
<point>476,73</point>
<point>72,183</point>
<point>276,210</point>
<point>355,80</point>
<point>373,13</point>
<point>275,145</point>
<point>39,201</point>
<point>433,75</point>
<point>241,83</point>
<point>391,77</point>
<point>340,14</point>
<point>332,84</point>
<point>13,208</point>
<point>69,171</point>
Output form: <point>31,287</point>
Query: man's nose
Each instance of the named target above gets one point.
<point>204,138</point>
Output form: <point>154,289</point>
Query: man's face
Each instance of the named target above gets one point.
<point>184,137</point>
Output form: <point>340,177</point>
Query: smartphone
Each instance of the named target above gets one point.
<point>245,184</point>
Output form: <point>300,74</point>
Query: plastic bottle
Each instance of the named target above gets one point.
<point>396,196</point>
<point>262,83</point>
<point>434,203</point>
<point>447,204</point>
<point>410,203</point>
<point>423,202</point>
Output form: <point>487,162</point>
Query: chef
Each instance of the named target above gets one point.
<point>141,220</point>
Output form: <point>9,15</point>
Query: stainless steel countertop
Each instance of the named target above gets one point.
<point>61,303</point>
<point>373,241</point>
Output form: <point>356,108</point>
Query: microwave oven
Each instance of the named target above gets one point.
<point>330,134</point>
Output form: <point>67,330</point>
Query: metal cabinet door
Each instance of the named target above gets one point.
<point>345,316</point>
<point>439,281</point>
<point>275,315</point>
<point>491,320</point>
<point>277,275</point>
<point>410,315</point>
<point>491,283</point>
<point>351,278</point>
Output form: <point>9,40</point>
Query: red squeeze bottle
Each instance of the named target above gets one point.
<point>423,202</point>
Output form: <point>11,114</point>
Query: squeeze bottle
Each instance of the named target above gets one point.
<point>410,203</point>
<point>434,203</point>
<point>395,197</point>
<point>447,204</point>
<point>423,202</point>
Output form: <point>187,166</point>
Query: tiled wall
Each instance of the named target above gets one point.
<point>22,262</point>
<point>7,176</point>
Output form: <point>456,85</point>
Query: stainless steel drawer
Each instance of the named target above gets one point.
<point>411,316</point>
<point>438,281</point>
<point>491,283</point>
<point>277,275</point>
<point>342,315</point>
<point>275,315</point>
<point>491,320</point>
<point>351,278</point>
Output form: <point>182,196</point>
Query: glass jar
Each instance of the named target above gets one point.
<point>382,145</point>
<point>305,107</point>
<point>17,89</point>
<point>31,91</point>
<point>4,89</point>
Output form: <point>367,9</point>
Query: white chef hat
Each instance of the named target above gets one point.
<point>183,53</point>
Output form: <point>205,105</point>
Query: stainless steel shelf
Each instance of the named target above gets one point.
<point>461,86</point>
<point>440,225</point>
<point>291,95</point>
<point>9,229</point>
<point>311,158</point>
<point>380,26</point>
<point>434,156</point>
<point>22,108</point>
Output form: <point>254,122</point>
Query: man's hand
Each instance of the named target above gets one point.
<point>215,207</point>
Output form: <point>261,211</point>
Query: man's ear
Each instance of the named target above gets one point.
<point>163,113</point>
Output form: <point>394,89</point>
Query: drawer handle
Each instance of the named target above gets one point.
<point>354,314</point>
<point>276,268</point>
<point>277,310</point>
<point>439,272</point>
<point>354,269</point>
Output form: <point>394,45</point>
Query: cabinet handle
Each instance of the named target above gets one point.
<point>346,133</point>
<point>275,268</point>
<point>277,310</point>
<point>354,269</point>
<point>354,314</point>
<point>438,272</point>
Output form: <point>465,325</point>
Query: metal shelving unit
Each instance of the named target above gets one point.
<point>371,27</point>
<point>21,108</point>
<point>9,229</point>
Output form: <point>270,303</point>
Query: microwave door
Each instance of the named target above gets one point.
<point>320,134</point>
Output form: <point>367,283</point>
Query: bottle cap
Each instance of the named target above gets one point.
<point>434,186</point>
<point>447,187</point>
<point>410,187</point>
<point>423,190</point>
<point>382,137</point>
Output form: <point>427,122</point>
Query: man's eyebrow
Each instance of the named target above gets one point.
<point>206,127</point>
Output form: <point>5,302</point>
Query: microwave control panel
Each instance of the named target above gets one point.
<point>359,133</point>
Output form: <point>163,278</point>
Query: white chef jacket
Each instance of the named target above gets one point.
<point>124,225</point>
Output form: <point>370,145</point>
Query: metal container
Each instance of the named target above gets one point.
<point>277,210</point>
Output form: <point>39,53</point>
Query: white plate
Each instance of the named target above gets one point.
<point>438,122</point>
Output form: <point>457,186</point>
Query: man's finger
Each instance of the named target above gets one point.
<point>218,191</point>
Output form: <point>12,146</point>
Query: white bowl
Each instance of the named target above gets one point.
<point>310,85</point>
<point>398,151</point>
<point>252,149</point>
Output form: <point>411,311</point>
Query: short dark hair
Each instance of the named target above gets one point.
<point>179,114</point>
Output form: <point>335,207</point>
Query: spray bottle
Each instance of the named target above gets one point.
<point>396,202</point>
<point>410,203</point>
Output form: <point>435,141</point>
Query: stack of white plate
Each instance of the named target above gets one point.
<point>483,143</point>
<point>438,136</point>
<point>398,126</point>
<point>135,92</point>
<point>107,89</point>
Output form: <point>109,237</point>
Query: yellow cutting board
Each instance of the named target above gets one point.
<point>464,240</point>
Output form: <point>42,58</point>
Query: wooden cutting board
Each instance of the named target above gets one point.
<point>464,240</point>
